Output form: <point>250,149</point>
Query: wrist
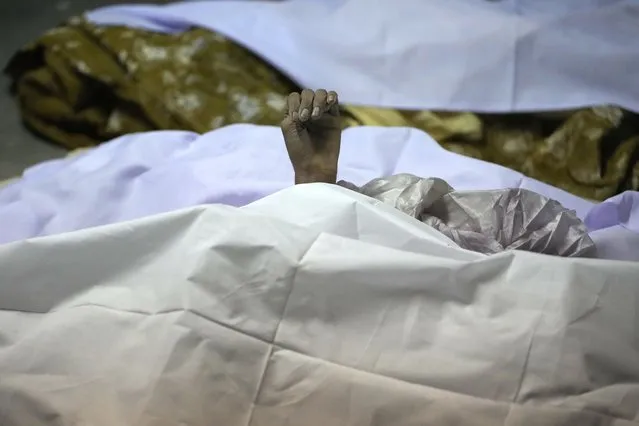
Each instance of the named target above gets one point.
<point>315,177</point>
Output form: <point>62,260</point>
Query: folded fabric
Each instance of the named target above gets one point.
<point>314,306</point>
<point>149,173</point>
<point>486,221</point>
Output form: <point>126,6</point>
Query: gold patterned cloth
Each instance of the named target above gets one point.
<point>81,84</point>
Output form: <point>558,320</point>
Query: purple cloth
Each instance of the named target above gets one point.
<point>614,226</point>
<point>511,55</point>
<point>144,174</point>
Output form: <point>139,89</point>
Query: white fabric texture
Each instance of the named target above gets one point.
<point>353,314</point>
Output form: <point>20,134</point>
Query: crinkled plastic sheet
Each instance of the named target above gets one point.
<point>486,221</point>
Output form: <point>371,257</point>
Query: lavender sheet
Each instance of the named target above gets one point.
<point>144,174</point>
<point>478,55</point>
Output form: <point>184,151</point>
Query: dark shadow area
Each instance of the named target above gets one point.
<point>22,21</point>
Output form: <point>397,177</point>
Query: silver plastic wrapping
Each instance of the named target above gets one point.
<point>486,221</point>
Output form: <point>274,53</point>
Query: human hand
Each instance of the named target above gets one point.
<point>312,133</point>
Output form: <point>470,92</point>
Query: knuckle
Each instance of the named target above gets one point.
<point>287,122</point>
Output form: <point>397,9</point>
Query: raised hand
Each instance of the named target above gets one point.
<point>312,133</point>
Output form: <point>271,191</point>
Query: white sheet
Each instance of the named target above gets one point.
<point>480,55</point>
<point>352,314</point>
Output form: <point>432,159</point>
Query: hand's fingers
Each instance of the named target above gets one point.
<point>293,104</point>
<point>333,103</point>
<point>319,103</point>
<point>331,97</point>
<point>306,104</point>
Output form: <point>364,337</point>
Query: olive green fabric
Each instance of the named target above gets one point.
<point>568,150</point>
<point>79,85</point>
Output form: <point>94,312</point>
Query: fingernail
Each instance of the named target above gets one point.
<point>316,112</point>
<point>304,115</point>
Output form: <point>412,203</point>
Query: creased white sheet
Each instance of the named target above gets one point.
<point>314,306</point>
